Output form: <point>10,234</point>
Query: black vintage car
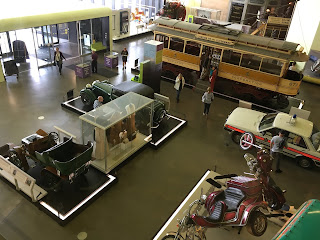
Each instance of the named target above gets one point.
<point>110,92</point>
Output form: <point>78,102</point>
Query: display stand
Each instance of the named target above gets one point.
<point>118,129</point>
<point>111,60</point>
<point>203,187</point>
<point>83,70</point>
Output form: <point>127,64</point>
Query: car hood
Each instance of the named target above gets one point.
<point>245,119</point>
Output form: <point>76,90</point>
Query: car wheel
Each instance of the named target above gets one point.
<point>235,136</point>
<point>247,139</point>
<point>85,98</point>
<point>257,223</point>
<point>305,163</point>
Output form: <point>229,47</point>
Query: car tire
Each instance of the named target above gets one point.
<point>235,137</point>
<point>86,99</point>
<point>305,163</point>
<point>247,139</point>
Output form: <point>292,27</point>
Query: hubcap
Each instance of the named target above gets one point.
<point>304,163</point>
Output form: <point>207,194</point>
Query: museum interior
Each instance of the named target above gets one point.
<point>159,119</point>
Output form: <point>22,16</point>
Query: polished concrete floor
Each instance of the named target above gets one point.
<point>154,182</point>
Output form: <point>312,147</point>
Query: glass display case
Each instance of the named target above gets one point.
<point>118,129</point>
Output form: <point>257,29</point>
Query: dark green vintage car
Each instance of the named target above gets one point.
<point>110,92</point>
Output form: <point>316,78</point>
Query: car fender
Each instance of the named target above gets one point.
<point>89,93</point>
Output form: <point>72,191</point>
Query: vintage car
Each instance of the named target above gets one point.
<point>303,137</point>
<point>110,92</point>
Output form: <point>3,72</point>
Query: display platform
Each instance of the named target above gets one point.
<point>65,204</point>
<point>223,233</point>
<point>166,128</point>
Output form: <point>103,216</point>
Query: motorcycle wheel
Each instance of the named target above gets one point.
<point>171,236</point>
<point>257,223</point>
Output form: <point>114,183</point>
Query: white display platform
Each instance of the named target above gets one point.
<point>223,233</point>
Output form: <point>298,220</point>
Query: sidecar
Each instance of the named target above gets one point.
<point>66,160</point>
<point>238,205</point>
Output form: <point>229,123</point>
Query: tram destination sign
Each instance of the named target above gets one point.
<point>214,39</point>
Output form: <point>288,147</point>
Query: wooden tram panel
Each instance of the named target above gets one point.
<point>264,48</point>
<point>181,59</point>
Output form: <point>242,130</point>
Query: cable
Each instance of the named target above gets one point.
<point>297,9</point>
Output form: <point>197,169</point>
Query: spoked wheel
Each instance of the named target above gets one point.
<point>171,236</point>
<point>14,158</point>
<point>247,140</point>
<point>257,223</point>
<point>235,136</point>
<point>53,138</point>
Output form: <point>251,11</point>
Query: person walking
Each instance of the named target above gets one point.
<point>124,54</point>
<point>57,58</point>
<point>179,85</point>
<point>277,144</point>
<point>94,63</point>
<point>207,99</point>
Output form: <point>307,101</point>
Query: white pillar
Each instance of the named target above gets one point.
<point>304,28</point>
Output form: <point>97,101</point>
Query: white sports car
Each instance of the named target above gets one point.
<point>303,138</point>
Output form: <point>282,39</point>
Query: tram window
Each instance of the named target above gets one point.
<point>176,44</point>
<point>230,56</point>
<point>162,38</point>
<point>192,48</point>
<point>271,66</point>
<point>250,61</point>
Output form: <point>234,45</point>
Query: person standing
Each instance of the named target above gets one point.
<point>94,63</point>
<point>98,102</point>
<point>179,85</point>
<point>212,77</point>
<point>57,58</point>
<point>277,144</point>
<point>207,99</point>
<point>124,54</point>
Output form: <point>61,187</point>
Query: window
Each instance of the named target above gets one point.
<point>267,121</point>
<point>250,61</point>
<point>296,140</point>
<point>271,66</point>
<point>232,57</point>
<point>176,44</point>
<point>192,48</point>
<point>162,38</point>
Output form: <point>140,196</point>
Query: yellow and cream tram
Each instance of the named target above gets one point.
<point>257,63</point>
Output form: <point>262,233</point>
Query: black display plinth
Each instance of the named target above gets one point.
<point>166,128</point>
<point>71,198</point>
<point>76,106</point>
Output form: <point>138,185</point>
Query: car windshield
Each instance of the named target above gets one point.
<point>267,121</point>
<point>315,137</point>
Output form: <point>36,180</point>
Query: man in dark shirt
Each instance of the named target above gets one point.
<point>124,54</point>
<point>94,62</point>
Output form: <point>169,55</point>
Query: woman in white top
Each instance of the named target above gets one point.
<point>207,98</point>
<point>179,85</point>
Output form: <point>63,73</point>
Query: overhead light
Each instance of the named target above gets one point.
<point>41,117</point>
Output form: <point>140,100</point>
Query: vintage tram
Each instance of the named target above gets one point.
<point>258,66</point>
